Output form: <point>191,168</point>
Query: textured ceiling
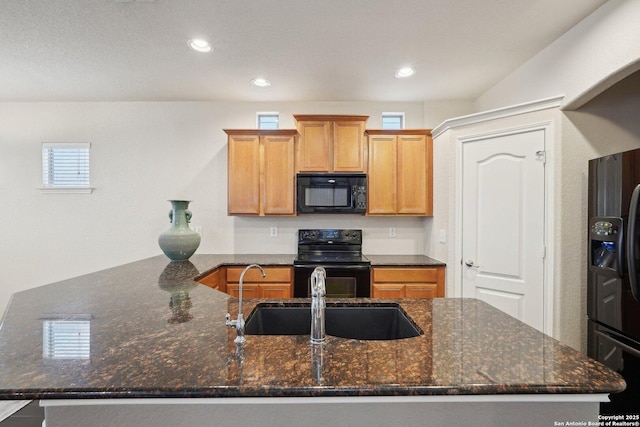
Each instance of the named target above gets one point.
<point>311,50</point>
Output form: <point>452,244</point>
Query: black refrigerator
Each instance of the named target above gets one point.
<point>613,288</point>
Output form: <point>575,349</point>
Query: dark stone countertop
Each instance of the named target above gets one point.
<point>154,332</point>
<point>403,261</point>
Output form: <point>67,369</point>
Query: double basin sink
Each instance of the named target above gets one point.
<point>387,321</point>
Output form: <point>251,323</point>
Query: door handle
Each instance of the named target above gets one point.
<point>631,243</point>
<point>469,263</point>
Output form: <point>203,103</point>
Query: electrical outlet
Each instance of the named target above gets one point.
<point>274,232</point>
<point>198,230</point>
<point>443,236</point>
<point>392,232</point>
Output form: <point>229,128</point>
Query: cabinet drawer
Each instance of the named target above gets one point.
<point>268,290</point>
<point>405,275</point>
<point>273,274</point>
<point>248,290</point>
<point>387,290</point>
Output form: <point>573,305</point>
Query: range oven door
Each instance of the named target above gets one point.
<point>342,281</point>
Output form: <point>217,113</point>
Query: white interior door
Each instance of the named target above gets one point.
<point>503,211</point>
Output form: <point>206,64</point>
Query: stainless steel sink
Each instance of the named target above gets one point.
<point>386,321</point>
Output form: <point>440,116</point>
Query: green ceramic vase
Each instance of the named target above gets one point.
<point>179,242</point>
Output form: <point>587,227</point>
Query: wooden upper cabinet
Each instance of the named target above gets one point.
<point>244,174</point>
<point>278,183</point>
<point>415,169</point>
<point>349,146</point>
<point>314,146</point>
<point>261,172</point>
<point>383,179</point>
<point>331,143</point>
<point>400,172</point>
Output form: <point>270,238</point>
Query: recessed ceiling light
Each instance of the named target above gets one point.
<point>404,72</point>
<point>260,82</point>
<point>200,45</point>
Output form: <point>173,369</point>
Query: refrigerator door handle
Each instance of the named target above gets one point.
<point>622,268</point>
<point>631,243</point>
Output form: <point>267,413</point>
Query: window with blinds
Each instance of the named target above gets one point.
<point>65,165</point>
<point>392,120</point>
<point>268,120</point>
<point>66,339</point>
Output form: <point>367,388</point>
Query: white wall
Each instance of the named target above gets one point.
<point>143,154</point>
<point>601,50</point>
<point>607,124</point>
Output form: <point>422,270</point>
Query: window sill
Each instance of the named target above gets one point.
<point>66,190</point>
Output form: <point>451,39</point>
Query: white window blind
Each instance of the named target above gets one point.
<point>65,165</point>
<point>66,339</point>
<point>392,120</point>
<point>268,120</point>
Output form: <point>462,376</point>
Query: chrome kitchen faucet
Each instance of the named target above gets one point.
<point>239,322</point>
<point>318,305</point>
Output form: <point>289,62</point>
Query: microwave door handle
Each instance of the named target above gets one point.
<point>631,243</point>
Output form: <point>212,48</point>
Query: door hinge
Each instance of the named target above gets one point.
<point>541,156</point>
<point>544,252</point>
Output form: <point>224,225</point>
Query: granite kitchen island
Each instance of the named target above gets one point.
<point>149,346</point>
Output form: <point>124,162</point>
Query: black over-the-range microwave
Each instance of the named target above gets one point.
<point>331,193</point>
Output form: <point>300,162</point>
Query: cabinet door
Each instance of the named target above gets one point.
<point>244,175</point>
<point>314,146</point>
<point>349,147</point>
<point>275,290</point>
<point>382,176</point>
<point>249,290</point>
<point>421,290</point>
<point>387,290</point>
<point>278,183</point>
<point>414,175</point>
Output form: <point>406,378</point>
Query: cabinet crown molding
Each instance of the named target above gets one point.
<point>259,132</point>
<point>328,117</point>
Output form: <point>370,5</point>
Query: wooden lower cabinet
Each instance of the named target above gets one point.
<point>216,279</point>
<point>407,282</point>
<point>277,284</point>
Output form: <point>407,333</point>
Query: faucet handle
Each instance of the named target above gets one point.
<point>318,281</point>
